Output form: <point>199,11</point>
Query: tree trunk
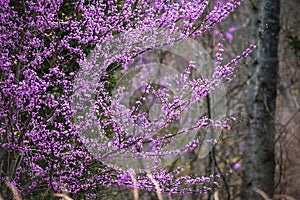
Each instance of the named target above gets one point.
<point>259,163</point>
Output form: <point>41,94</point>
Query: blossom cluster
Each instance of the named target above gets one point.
<point>44,43</point>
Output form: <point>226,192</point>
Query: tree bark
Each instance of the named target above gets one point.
<point>259,163</point>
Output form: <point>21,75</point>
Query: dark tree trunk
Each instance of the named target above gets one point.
<point>259,164</point>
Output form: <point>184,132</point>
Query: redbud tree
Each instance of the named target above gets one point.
<point>55,53</point>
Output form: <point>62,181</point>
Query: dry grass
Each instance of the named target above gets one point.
<point>63,195</point>
<point>276,196</point>
<point>17,196</point>
<point>14,190</point>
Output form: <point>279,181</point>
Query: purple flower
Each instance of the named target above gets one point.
<point>41,49</point>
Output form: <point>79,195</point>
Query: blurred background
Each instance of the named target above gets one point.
<point>243,160</point>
